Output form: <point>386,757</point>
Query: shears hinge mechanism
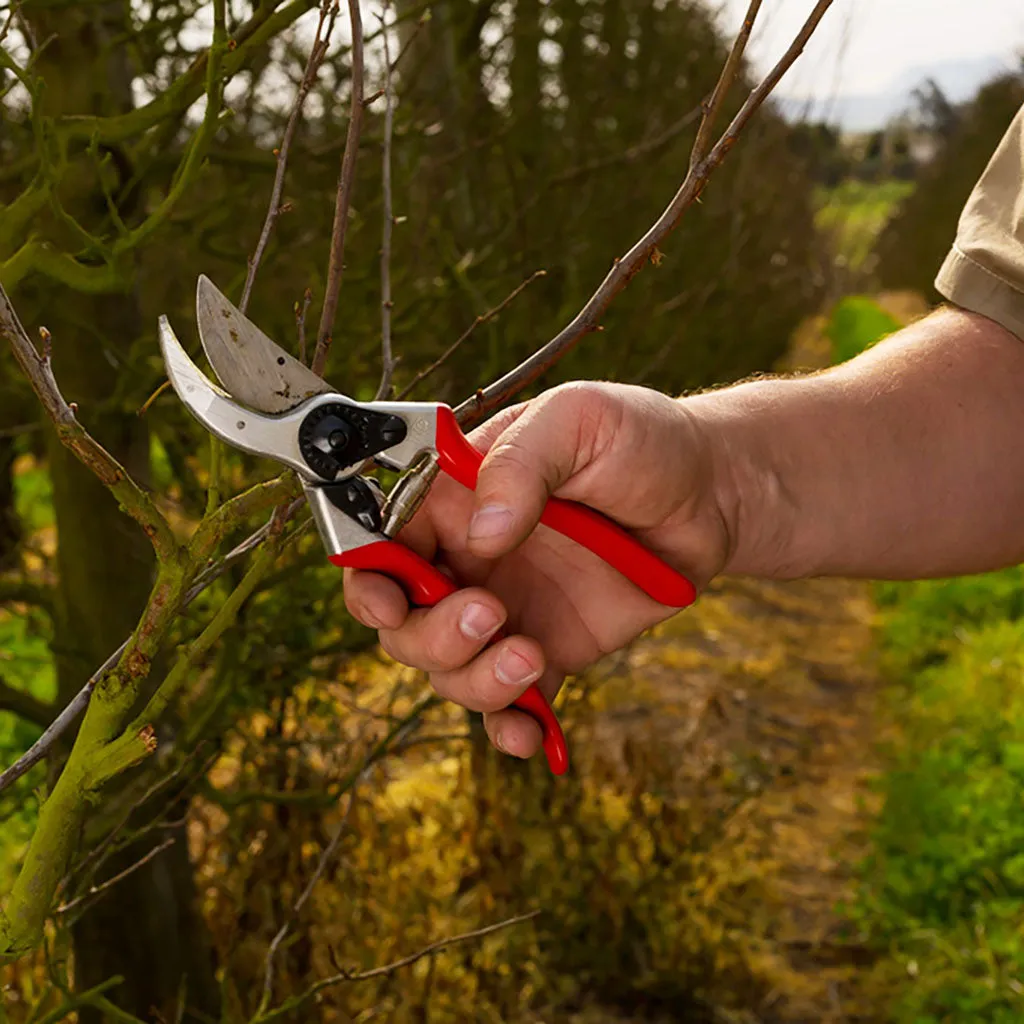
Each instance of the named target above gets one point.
<point>408,494</point>
<point>334,437</point>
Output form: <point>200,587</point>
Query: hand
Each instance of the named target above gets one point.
<point>635,455</point>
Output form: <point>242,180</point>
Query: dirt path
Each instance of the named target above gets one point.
<point>773,687</point>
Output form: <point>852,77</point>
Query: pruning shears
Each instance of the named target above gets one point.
<point>272,405</point>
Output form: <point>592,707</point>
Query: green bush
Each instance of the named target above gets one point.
<point>856,324</point>
<point>943,888</point>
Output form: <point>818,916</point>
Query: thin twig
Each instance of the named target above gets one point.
<point>39,371</point>
<point>113,1014</point>
<point>96,856</point>
<point>237,553</point>
<point>328,15</point>
<point>730,69</point>
<point>434,947</point>
<point>625,268</point>
<point>482,319</point>
<point>144,408</point>
<point>95,890</point>
<point>11,11</point>
<point>410,39</point>
<point>300,321</point>
<point>325,858</point>
<point>346,182</point>
<point>754,101</point>
<point>387,362</point>
<point>63,1012</point>
<point>377,972</point>
<point>398,731</point>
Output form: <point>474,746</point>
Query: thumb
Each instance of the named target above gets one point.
<point>530,460</point>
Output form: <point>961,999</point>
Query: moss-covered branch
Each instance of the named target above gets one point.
<point>266,23</point>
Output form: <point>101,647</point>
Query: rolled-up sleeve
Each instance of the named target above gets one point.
<point>984,271</point>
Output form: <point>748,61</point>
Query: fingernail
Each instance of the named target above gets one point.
<point>490,521</point>
<point>499,742</point>
<point>478,621</point>
<point>514,670</point>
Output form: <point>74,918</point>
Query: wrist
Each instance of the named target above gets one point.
<point>748,480</point>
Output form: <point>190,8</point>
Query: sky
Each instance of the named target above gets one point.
<point>862,46</point>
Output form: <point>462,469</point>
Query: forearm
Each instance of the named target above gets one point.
<point>905,462</point>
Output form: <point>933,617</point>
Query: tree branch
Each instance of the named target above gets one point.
<point>346,183</point>
<point>376,972</point>
<point>267,21</point>
<point>730,69</point>
<point>63,1012</point>
<point>325,858</point>
<point>96,890</point>
<point>627,267</point>
<point>387,362</point>
<point>482,319</point>
<point>227,513</point>
<point>60,724</point>
<point>39,371</point>
<point>398,730</point>
<point>328,15</point>
<point>300,322</point>
<point>215,628</point>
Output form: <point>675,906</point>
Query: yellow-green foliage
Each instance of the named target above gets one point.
<point>650,892</point>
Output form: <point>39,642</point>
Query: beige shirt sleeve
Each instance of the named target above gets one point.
<point>984,271</point>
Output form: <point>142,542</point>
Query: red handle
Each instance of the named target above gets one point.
<point>425,585</point>
<point>461,461</point>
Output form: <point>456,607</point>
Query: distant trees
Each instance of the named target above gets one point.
<point>917,238</point>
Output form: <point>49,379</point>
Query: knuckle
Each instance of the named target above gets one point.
<point>435,647</point>
<point>468,687</point>
<point>583,397</point>
<point>512,454</point>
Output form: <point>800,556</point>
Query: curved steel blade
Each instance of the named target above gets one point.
<point>252,368</point>
<point>274,438</point>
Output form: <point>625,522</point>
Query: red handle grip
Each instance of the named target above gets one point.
<point>461,461</point>
<point>426,585</point>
